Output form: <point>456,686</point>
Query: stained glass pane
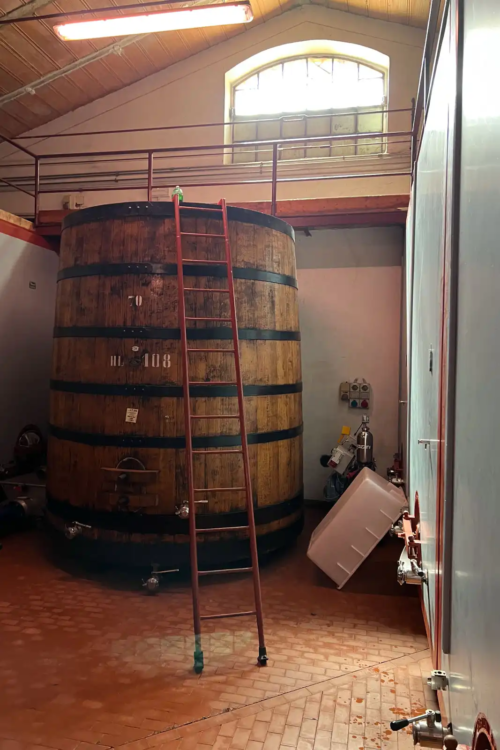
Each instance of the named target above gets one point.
<point>370,123</point>
<point>318,126</point>
<point>270,77</point>
<point>247,103</point>
<point>248,83</point>
<point>366,72</point>
<point>345,80</point>
<point>370,92</point>
<point>320,69</point>
<point>244,131</point>
<point>295,70</point>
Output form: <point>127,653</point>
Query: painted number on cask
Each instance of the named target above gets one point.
<point>155,360</point>
<point>135,300</point>
<point>148,360</point>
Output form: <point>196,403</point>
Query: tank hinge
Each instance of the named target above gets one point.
<point>438,680</point>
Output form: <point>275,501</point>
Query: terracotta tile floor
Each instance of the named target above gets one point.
<point>90,660</point>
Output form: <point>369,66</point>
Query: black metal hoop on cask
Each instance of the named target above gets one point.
<point>142,523</point>
<point>172,391</point>
<point>107,551</point>
<point>166,334</point>
<point>116,388</point>
<point>143,441</point>
<point>165,210</point>
<point>170,269</point>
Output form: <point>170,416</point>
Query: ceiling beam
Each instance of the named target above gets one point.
<point>68,69</point>
<point>8,19</point>
<point>116,47</point>
<point>23,10</point>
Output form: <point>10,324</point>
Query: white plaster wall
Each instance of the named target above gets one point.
<point>349,300</point>
<point>193,91</point>
<point>26,325</point>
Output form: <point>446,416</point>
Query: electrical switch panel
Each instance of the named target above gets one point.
<point>344,391</point>
<point>357,393</point>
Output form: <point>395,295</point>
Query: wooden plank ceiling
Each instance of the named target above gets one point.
<point>31,50</point>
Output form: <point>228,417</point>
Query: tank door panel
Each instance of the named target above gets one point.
<point>429,238</point>
<point>475,632</point>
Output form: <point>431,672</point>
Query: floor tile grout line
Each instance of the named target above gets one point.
<point>286,697</point>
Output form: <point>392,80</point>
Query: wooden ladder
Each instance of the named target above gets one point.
<point>193,491</point>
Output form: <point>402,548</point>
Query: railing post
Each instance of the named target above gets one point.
<point>37,190</point>
<point>274,180</point>
<point>150,176</point>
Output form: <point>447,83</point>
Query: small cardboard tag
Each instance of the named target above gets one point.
<point>131,415</point>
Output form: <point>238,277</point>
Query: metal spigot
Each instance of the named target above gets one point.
<point>152,584</point>
<point>409,571</point>
<point>74,529</point>
<point>396,528</point>
<point>182,511</point>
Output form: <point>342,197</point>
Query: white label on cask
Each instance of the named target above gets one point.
<point>116,360</point>
<point>131,415</point>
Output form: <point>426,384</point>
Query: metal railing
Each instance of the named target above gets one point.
<point>203,166</point>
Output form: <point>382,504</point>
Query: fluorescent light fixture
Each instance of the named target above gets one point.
<point>170,20</point>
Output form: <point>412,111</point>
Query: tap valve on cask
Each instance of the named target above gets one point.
<point>182,511</point>
<point>74,529</point>
<point>152,583</point>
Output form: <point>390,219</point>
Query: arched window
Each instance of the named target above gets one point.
<point>309,84</point>
<point>309,95</point>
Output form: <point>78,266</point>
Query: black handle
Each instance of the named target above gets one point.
<point>399,724</point>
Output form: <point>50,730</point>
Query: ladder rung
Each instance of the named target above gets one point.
<point>230,351</point>
<point>201,234</point>
<point>226,320</point>
<point>223,571</point>
<point>219,489</point>
<point>228,614</point>
<point>205,262</point>
<point>219,452</point>
<point>212,382</point>
<point>218,529</point>
<point>199,208</point>
<point>199,289</point>
<point>215,416</point>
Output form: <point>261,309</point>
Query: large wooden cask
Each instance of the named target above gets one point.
<point>116,456</point>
